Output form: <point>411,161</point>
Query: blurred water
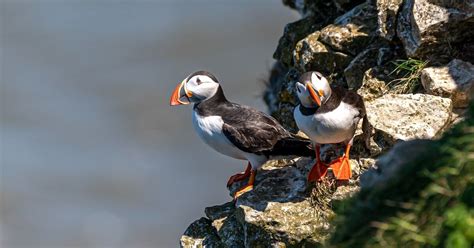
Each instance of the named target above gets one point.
<point>91,153</point>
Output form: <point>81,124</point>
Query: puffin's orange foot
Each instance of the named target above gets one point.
<point>341,168</point>
<point>318,171</point>
<point>239,177</point>
<point>242,191</point>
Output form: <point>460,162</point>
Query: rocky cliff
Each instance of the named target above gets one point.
<point>412,62</point>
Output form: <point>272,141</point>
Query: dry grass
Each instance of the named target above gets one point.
<point>409,71</point>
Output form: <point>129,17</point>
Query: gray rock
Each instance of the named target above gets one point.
<point>219,212</point>
<point>388,164</point>
<point>423,28</point>
<point>372,86</point>
<point>387,11</point>
<point>230,231</point>
<point>353,31</point>
<point>200,233</point>
<point>281,210</point>
<point>376,54</point>
<point>311,54</point>
<point>354,72</point>
<point>408,116</point>
<point>454,81</point>
<point>328,9</point>
<point>464,5</point>
<point>294,32</point>
<point>281,97</point>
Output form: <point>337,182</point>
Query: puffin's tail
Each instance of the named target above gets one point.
<point>293,146</point>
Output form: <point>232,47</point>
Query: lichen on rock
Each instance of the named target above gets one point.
<point>409,116</point>
<point>454,81</point>
<point>279,212</point>
<point>431,29</point>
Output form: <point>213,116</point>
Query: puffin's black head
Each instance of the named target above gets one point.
<point>313,89</point>
<point>195,88</point>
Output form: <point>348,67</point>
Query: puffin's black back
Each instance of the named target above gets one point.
<point>251,130</point>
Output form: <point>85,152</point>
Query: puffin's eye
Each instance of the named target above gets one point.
<point>198,81</point>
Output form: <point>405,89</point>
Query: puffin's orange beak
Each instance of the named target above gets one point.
<point>314,95</point>
<point>180,95</point>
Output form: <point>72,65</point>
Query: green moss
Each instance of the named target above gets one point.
<point>428,203</point>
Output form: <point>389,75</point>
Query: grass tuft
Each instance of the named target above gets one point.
<point>409,71</point>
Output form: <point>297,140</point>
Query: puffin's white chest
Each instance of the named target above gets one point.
<point>209,128</point>
<point>332,127</point>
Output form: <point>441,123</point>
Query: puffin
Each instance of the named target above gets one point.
<point>235,130</point>
<point>329,115</point>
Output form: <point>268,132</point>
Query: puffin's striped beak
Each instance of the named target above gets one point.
<point>180,95</point>
<point>314,94</point>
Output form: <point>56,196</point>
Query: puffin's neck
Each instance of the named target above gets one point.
<point>217,99</point>
<point>307,111</point>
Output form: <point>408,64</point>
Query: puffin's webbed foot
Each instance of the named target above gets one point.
<point>341,168</point>
<point>239,176</point>
<point>242,191</point>
<point>318,171</point>
<point>247,187</point>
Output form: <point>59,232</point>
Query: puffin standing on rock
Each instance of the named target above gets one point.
<point>235,130</point>
<point>329,115</point>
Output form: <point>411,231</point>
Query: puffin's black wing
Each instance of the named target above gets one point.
<point>355,100</point>
<point>251,130</point>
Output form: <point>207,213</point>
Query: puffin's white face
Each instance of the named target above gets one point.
<point>314,89</point>
<point>201,87</point>
<point>195,88</point>
<point>304,96</point>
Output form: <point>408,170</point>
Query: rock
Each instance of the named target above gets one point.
<point>274,84</point>
<point>281,210</point>
<point>388,164</point>
<point>294,32</point>
<point>423,28</point>
<point>408,116</point>
<point>200,233</point>
<point>454,81</point>
<point>311,54</point>
<point>354,72</point>
<point>280,95</point>
<point>372,86</point>
<point>328,9</point>
<point>230,231</point>
<point>417,189</point>
<point>387,11</point>
<point>219,212</point>
<point>376,54</point>
<point>353,31</point>
<point>466,5</point>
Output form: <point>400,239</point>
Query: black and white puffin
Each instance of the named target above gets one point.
<point>235,130</point>
<point>329,115</point>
